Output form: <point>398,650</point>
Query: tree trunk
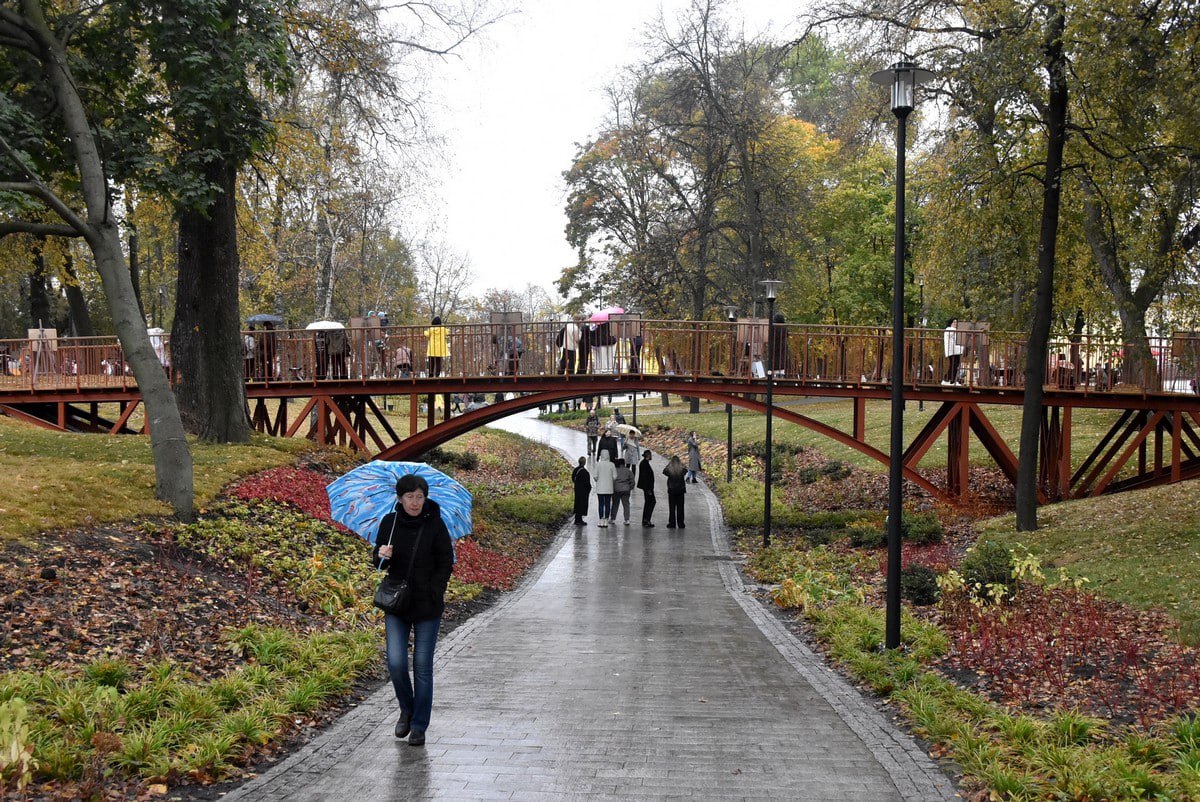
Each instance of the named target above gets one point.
<point>39,299</point>
<point>206,341</point>
<point>135,271</point>
<point>1039,335</point>
<point>172,459</point>
<point>81,319</point>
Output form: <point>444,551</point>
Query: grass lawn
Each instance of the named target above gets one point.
<point>1089,427</point>
<point>1142,547</point>
<point>55,480</point>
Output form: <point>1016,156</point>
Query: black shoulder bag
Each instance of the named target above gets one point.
<point>392,594</point>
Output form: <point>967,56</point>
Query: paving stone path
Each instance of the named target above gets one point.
<point>632,664</point>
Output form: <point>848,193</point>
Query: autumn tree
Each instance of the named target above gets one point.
<point>53,109</point>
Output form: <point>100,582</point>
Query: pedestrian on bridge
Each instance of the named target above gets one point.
<point>676,489</point>
<point>569,337</point>
<point>581,479</point>
<point>645,483</point>
<point>605,475</point>
<point>953,350</point>
<point>413,543</point>
<point>437,349</point>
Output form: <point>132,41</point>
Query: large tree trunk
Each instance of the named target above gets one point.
<point>1137,364</point>
<point>206,342</point>
<point>1039,335</point>
<point>172,460</point>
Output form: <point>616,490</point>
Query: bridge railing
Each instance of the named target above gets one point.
<point>695,350</point>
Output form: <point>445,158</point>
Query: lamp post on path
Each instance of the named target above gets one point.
<point>771,286</point>
<point>903,77</point>
<point>731,316</point>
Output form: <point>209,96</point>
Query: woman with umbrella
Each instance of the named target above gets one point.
<point>413,543</point>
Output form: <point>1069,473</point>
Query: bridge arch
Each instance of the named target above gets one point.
<point>415,445</point>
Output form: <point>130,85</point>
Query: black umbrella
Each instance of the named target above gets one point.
<point>264,318</point>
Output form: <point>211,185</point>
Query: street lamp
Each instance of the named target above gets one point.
<point>730,315</point>
<point>771,286</point>
<point>903,76</point>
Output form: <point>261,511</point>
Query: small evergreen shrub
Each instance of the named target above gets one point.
<point>866,535</point>
<point>921,528</point>
<point>835,470</point>
<point>987,563</point>
<point>918,584</point>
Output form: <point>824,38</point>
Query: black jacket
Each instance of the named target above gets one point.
<point>432,565</point>
<point>675,473</point>
<point>645,476</point>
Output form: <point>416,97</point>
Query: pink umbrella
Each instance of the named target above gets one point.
<point>602,315</point>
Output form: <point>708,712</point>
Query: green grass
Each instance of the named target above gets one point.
<point>1089,426</point>
<point>57,480</point>
<point>1141,548</point>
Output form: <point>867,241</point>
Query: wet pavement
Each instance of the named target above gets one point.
<point>632,664</point>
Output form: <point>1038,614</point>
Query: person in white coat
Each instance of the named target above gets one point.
<point>604,474</point>
<point>570,334</point>
<point>953,351</point>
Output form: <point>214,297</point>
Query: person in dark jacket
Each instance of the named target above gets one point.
<point>676,488</point>
<point>414,533</point>
<point>581,478</point>
<point>591,428</point>
<point>645,483</point>
<point>608,442</point>
<point>622,488</point>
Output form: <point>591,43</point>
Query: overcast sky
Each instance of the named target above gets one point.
<point>512,109</point>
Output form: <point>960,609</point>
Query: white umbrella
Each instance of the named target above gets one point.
<point>324,325</point>
<point>155,331</point>
<point>626,429</point>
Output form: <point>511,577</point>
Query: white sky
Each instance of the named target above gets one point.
<point>512,109</point>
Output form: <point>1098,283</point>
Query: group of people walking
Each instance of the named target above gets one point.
<point>618,468</point>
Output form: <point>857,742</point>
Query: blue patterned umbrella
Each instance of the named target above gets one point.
<point>361,498</point>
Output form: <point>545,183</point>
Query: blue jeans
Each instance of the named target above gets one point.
<point>690,476</point>
<point>415,695</point>
<point>604,504</point>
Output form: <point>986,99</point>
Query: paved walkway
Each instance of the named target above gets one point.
<point>633,664</point>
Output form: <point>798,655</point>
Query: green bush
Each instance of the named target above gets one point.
<point>987,563</point>
<point>867,536</point>
<point>441,458</point>
<point>918,584</point>
<point>921,528</point>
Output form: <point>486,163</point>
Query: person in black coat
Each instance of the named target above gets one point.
<point>581,478</point>
<point>608,443</point>
<point>415,535</point>
<point>645,483</point>
<point>676,475</point>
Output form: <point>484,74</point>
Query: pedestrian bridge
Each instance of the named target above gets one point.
<point>334,380</point>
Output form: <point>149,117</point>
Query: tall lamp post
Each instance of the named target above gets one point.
<point>731,316</point>
<point>771,286</point>
<point>903,77</point>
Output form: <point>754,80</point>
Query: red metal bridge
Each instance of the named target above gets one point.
<point>337,375</point>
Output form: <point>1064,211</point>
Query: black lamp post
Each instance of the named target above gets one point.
<point>731,316</point>
<point>903,77</point>
<point>771,287</point>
